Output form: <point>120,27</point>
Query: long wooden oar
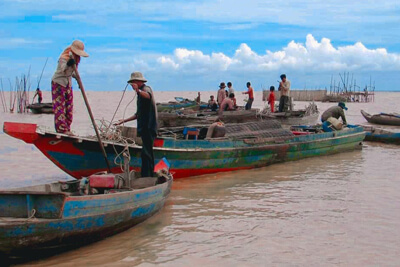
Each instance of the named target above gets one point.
<point>80,84</point>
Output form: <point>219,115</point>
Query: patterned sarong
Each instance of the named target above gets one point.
<point>62,107</point>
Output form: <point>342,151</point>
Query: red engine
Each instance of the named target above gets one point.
<point>108,180</point>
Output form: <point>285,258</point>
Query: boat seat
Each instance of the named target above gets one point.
<point>187,132</point>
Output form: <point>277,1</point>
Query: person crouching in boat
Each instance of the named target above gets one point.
<point>146,116</point>
<point>61,86</point>
<point>335,112</point>
<point>212,104</point>
<point>228,104</point>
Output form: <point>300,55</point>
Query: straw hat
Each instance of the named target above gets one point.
<point>137,76</point>
<point>78,48</point>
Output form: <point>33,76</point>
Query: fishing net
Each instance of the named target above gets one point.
<point>256,129</point>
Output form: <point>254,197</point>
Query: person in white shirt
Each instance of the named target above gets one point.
<point>284,88</point>
<point>230,88</point>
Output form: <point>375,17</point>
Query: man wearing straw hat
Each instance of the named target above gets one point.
<point>61,86</point>
<point>146,116</point>
<point>221,93</point>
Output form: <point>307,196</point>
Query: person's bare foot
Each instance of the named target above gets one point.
<point>69,133</point>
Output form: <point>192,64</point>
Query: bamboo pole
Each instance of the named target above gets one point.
<point>3,99</point>
<point>80,84</point>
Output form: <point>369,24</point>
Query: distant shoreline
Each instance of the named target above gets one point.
<point>257,90</point>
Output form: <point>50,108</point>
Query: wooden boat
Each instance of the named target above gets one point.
<point>66,215</point>
<point>180,103</point>
<point>244,146</point>
<point>334,98</point>
<point>206,117</point>
<point>306,116</point>
<point>382,118</point>
<point>292,117</point>
<point>46,108</point>
<point>176,119</point>
<point>374,134</point>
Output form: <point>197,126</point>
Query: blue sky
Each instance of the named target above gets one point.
<point>194,45</point>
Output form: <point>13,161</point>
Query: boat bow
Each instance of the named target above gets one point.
<point>24,131</point>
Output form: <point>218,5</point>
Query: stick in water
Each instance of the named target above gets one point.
<point>78,79</point>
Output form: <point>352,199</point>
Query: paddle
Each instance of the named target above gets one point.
<point>80,84</point>
<point>41,75</point>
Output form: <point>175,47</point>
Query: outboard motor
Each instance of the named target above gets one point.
<point>106,181</point>
<point>98,183</point>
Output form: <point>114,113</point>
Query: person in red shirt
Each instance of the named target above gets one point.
<point>250,92</point>
<point>271,98</point>
<point>39,95</point>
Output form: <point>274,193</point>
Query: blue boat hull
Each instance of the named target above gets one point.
<point>57,220</point>
<point>383,137</point>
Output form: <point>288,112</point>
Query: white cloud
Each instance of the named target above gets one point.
<point>313,55</point>
<point>167,62</point>
<point>194,61</point>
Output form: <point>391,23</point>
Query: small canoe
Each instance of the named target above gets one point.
<point>46,108</point>
<point>65,215</point>
<point>180,103</point>
<point>382,118</point>
<point>380,135</point>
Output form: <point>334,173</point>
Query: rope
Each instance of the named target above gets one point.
<point>33,211</point>
<point>122,97</point>
<point>110,132</point>
<point>123,116</point>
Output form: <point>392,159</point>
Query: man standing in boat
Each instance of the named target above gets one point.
<point>230,88</point>
<point>284,88</point>
<point>39,95</point>
<point>197,99</point>
<point>250,92</point>
<point>333,112</point>
<point>146,116</point>
<point>221,93</point>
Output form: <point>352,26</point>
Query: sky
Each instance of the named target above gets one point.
<point>194,45</point>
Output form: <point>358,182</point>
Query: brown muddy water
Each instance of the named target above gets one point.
<point>338,210</point>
